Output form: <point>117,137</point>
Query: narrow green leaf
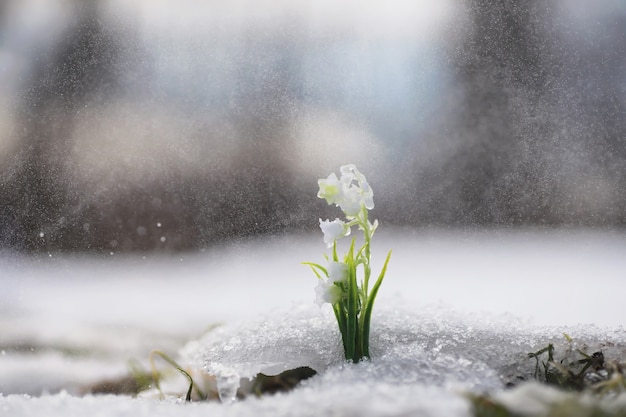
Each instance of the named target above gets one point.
<point>173,363</point>
<point>315,266</point>
<point>338,308</point>
<point>352,322</point>
<point>367,315</point>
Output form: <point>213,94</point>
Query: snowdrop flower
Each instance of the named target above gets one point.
<point>367,194</point>
<point>357,182</point>
<point>327,292</point>
<point>333,230</point>
<point>351,203</point>
<point>351,192</point>
<point>331,189</point>
<point>345,281</point>
<point>338,272</point>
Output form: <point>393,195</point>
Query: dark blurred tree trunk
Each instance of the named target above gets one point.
<point>493,130</point>
<point>533,132</point>
<point>40,205</point>
<point>505,68</point>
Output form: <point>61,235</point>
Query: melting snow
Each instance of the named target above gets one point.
<point>458,313</point>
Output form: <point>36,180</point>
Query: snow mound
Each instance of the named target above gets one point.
<point>59,332</point>
<point>434,347</point>
<point>423,361</point>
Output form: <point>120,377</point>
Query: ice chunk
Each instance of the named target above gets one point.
<point>433,347</point>
<point>407,348</point>
<point>276,342</point>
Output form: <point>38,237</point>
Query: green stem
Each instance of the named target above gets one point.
<point>365,260</point>
<point>367,235</point>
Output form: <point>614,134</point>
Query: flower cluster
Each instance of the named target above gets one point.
<point>353,194</point>
<point>351,299</point>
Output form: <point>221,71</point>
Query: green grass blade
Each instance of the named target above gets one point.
<point>352,319</point>
<point>315,267</point>
<point>176,366</point>
<point>367,314</point>
<point>338,308</point>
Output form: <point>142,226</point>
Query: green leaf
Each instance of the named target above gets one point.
<point>177,367</point>
<point>315,266</point>
<point>338,308</point>
<point>367,314</point>
<point>352,322</point>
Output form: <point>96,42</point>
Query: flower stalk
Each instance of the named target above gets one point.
<point>339,283</point>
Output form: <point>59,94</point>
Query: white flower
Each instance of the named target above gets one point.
<point>367,194</point>
<point>351,192</point>
<point>333,230</point>
<point>327,292</point>
<point>351,203</point>
<point>330,188</point>
<point>338,271</point>
<point>355,180</point>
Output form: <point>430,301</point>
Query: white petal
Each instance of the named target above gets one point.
<point>351,201</point>
<point>338,271</point>
<point>348,169</point>
<point>367,194</point>
<point>333,230</point>
<point>326,293</point>
<point>330,188</point>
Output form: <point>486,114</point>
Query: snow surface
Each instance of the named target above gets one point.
<point>458,313</point>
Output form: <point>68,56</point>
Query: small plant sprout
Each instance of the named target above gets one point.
<point>156,376</point>
<point>345,281</point>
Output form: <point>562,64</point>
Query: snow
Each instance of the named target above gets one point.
<point>458,313</point>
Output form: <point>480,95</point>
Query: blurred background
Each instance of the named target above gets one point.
<point>159,125</point>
